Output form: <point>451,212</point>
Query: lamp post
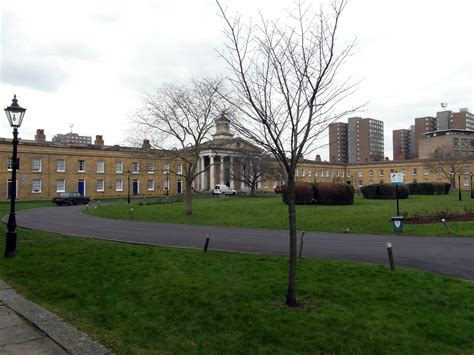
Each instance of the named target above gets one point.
<point>459,187</point>
<point>128,178</point>
<point>167,173</point>
<point>15,114</point>
<point>472,192</point>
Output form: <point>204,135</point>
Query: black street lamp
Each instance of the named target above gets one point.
<point>459,187</point>
<point>128,176</point>
<point>472,192</point>
<point>15,114</point>
<point>167,183</point>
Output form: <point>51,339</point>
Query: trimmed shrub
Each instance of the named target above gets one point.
<point>303,193</point>
<point>384,191</point>
<point>369,191</point>
<point>429,188</point>
<point>441,188</point>
<point>331,193</point>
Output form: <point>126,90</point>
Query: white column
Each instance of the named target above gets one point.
<point>242,184</point>
<point>222,171</point>
<point>231,171</point>
<point>202,176</point>
<point>211,172</point>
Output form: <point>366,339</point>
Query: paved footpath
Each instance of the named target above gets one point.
<point>446,256</point>
<point>26,328</point>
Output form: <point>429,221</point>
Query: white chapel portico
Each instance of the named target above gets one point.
<point>220,159</point>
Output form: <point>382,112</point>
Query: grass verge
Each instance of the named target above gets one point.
<point>365,216</point>
<point>142,299</point>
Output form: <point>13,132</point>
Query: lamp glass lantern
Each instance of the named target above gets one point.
<point>15,113</point>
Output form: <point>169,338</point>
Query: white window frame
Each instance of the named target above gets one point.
<point>466,182</point>
<point>79,170</point>
<point>58,170</point>
<point>100,166</point>
<point>166,168</point>
<point>426,171</point>
<point>63,183</point>
<point>33,186</point>
<point>179,169</point>
<point>414,171</point>
<point>152,188</point>
<point>117,183</point>
<point>135,167</point>
<point>165,184</point>
<point>151,167</point>
<point>38,169</point>
<point>118,167</point>
<point>98,187</point>
<point>9,164</point>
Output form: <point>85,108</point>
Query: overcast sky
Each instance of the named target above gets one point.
<point>85,63</point>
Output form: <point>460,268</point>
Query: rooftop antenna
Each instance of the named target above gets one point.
<point>71,126</point>
<point>444,105</point>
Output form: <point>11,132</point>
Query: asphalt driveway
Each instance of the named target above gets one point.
<point>446,256</point>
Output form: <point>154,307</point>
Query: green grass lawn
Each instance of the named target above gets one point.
<point>143,299</point>
<point>365,216</point>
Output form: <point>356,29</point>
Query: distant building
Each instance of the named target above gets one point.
<point>72,139</point>
<point>365,140</point>
<point>338,143</point>
<point>401,144</point>
<point>459,141</point>
<point>422,125</point>
<point>444,121</point>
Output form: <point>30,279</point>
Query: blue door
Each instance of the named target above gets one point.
<point>135,187</point>
<point>81,188</point>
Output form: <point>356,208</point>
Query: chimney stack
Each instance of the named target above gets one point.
<point>99,141</point>
<point>146,144</point>
<point>318,158</point>
<point>40,136</point>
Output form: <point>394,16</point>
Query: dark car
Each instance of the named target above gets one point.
<point>70,198</point>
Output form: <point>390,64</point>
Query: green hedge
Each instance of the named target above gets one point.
<point>330,193</point>
<point>384,191</point>
<point>429,188</point>
<point>303,193</point>
<point>323,193</point>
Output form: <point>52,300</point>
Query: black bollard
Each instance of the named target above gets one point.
<point>390,256</point>
<point>300,255</point>
<point>206,245</point>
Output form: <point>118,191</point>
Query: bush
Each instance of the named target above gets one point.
<point>303,193</point>
<point>441,188</point>
<point>429,188</point>
<point>384,191</point>
<point>331,193</point>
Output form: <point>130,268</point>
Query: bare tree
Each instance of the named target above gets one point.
<point>285,81</point>
<point>256,166</point>
<point>177,120</point>
<point>449,163</point>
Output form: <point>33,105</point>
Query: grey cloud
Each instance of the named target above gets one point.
<point>70,50</point>
<point>35,74</point>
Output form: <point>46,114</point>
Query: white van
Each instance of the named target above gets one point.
<point>223,190</point>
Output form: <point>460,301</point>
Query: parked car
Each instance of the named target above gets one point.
<point>223,190</point>
<point>70,198</point>
<point>278,189</point>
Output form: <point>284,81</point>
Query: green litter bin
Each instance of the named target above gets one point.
<point>397,224</point>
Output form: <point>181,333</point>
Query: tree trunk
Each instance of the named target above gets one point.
<point>291,295</point>
<point>253,189</point>
<point>188,198</point>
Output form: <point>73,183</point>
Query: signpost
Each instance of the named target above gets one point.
<point>397,179</point>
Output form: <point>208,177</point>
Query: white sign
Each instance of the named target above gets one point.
<point>396,178</point>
